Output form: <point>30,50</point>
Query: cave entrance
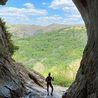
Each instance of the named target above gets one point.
<point>85,84</point>
<point>55,48</point>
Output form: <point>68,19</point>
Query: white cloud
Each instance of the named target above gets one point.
<point>27,10</point>
<point>48,20</point>
<point>29,5</point>
<point>20,15</point>
<point>65,5</point>
<point>68,8</point>
<point>28,14</point>
<point>78,16</point>
<point>16,19</point>
<point>55,4</point>
<point>13,13</point>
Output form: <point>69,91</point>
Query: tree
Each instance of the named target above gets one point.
<point>86,82</point>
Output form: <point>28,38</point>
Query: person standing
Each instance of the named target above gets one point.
<point>49,80</point>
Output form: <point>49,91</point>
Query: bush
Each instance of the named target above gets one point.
<point>11,47</point>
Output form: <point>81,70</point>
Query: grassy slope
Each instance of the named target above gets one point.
<point>57,52</point>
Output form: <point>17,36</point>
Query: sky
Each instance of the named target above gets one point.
<point>40,12</point>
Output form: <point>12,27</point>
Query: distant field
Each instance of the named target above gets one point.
<point>57,52</point>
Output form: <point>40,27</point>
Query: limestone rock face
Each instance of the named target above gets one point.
<point>10,84</point>
<point>86,82</point>
<point>15,80</point>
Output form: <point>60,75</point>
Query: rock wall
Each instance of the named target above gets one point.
<point>10,84</point>
<point>86,82</point>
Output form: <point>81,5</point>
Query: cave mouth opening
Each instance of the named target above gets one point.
<point>58,51</point>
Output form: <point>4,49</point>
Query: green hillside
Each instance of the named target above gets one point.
<point>57,52</point>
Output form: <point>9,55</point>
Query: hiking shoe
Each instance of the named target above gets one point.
<point>51,94</point>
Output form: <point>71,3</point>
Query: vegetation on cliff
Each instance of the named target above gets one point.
<point>9,43</point>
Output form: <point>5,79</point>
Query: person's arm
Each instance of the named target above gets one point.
<point>52,78</point>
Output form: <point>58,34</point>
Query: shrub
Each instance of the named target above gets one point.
<point>11,47</point>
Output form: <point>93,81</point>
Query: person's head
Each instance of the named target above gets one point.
<point>49,74</point>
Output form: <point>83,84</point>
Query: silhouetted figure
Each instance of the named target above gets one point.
<point>49,80</point>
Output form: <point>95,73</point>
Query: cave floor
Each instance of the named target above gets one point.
<point>38,92</point>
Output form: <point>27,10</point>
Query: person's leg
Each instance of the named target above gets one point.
<point>48,89</point>
<point>52,89</point>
